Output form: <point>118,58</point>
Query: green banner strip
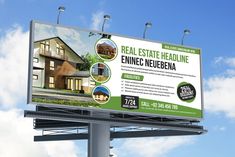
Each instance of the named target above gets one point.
<point>181,48</point>
<point>132,77</point>
<point>155,107</point>
<point>145,106</point>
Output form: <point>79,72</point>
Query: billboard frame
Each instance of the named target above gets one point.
<point>93,109</point>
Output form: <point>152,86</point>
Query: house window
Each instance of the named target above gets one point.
<point>51,82</point>
<point>78,84</point>
<point>35,77</point>
<point>35,60</point>
<point>59,50</point>
<point>70,84</point>
<point>52,65</point>
<point>45,46</point>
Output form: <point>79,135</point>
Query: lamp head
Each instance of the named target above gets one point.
<point>61,8</point>
<point>148,24</point>
<point>107,17</point>
<point>187,31</point>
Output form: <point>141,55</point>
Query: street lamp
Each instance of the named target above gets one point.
<point>61,9</point>
<point>106,17</point>
<point>147,25</point>
<point>186,32</point>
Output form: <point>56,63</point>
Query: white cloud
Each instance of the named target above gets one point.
<point>230,72</point>
<point>97,21</point>
<point>61,149</point>
<point>219,89</point>
<point>229,61</point>
<point>13,61</point>
<point>43,31</point>
<point>77,40</point>
<point>219,128</point>
<point>218,60</point>
<point>16,136</point>
<point>151,147</point>
<point>16,132</point>
<point>73,38</point>
<point>219,95</point>
<point>222,128</point>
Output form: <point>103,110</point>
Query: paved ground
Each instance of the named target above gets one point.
<point>57,94</point>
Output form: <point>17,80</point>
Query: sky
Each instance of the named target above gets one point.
<point>212,28</point>
<point>78,40</point>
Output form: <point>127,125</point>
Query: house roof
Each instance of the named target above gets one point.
<point>100,93</point>
<point>58,38</point>
<point>104,44</point>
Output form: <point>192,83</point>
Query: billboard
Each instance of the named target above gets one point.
<point>76,68</point>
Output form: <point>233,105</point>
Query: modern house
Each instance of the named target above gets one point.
<point>56,66</point>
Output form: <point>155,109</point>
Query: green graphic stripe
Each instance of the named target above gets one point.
<point>98,84</point>
<point>146,106</point>
<point>155,107</point>
<point>181,48</point>
<point>132,77</point>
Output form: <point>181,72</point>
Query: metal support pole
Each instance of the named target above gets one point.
<point>186,31</point>
<point>99,140</point>
<point>103,25</point>
<point>182,40</point>
<point>147,25</point>
<point>61,9</point>
<point>145,29</point>
<point>58,18</point>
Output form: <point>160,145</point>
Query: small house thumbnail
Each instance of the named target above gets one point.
<point>101,94</point>
<point>106,49</point>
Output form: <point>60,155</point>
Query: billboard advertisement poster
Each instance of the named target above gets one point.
<point>72,67</point>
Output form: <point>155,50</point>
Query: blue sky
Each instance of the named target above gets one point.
<point>212,28</point>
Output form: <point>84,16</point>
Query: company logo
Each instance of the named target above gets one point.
<point>186,92</point>
<point>130,102</point>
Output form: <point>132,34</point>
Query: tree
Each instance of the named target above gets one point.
<point>89,60</point>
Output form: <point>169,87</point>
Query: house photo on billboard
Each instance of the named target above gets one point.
<point>56,69</point>
<point>100,72</point>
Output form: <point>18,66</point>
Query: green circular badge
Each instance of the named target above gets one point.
<point>186,92</point>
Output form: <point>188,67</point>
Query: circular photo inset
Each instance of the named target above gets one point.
<point>106,49</point>
<point>100,72</point>
<point>101,94</point>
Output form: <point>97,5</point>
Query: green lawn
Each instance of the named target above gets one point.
<point>73,91</point>
<point>106,56</point>
<point>100,78</point>
<point>66,102</point>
